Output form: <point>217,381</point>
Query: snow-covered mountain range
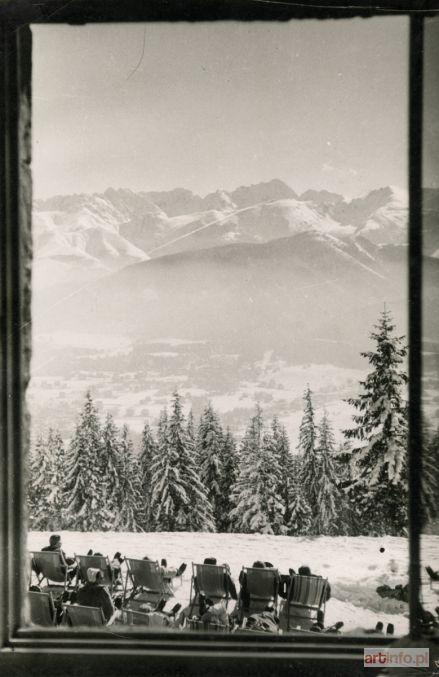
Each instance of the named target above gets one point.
<point>80,237</point>
<point>237,297</point>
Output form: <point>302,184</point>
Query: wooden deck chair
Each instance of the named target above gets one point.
<point>151,620</point>
<point>210,580</point>
<point>100,562</point>
<point>78,615</point>
<point>261,587</point>
<point>42,608</point>
<point>205,626</point>
<point>50,567</point>
<point>147,576</point>
<point>306,597</point>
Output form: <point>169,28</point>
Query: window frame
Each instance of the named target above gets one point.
<point>19,645</point>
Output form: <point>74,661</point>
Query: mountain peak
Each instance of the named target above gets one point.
<point>266,191</point>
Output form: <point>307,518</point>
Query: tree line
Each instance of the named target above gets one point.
<point>197,477</point>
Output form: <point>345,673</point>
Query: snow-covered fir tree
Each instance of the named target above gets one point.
<point>167,491</point>
<point>300,521</point>
<point>286,481</point>
<point>131,515</point>
<point>42,487</point>
<point>190,431</point>
<point>112,463</point>
<point>147,453</point>
<point>57,451</point>
<point>271,469</point>
<point>85,487</point>
<point>326,518</point>
<point>194,510</point>
<point>257,504</point>
<point>307,448</point>
<point>378,491</point>
<point>210,440</point>
<point>229,464</point>
<point>430,474</point>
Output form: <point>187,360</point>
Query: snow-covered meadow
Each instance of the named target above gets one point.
<point>353,566</point>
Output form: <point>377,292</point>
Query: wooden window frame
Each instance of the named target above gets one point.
<point>24,650</point>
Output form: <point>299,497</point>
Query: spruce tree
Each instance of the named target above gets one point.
<point>167,492</point>
<point>111,456</point>
<point>57,452</point>
<point>131,512</point>
<point>378,491</point>
<point>190,431</point>
<point>254,494</point>
<point>271,470</point>
<point>85,487</point>
<point>307,447</point>
<point>41,486</point>
<point>300,522</point>
<point>147,453</point>
<point>430,475</point>
<point>193,509</point>
<point>326,521</point>
<point>210,441</point>
<point>229,464</point>
<point>286,481</point>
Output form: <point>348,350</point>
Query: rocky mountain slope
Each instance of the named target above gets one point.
<point>86,236</point>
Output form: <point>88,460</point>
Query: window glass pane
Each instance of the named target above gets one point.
<point>430,355</point>
<point>220,230</point>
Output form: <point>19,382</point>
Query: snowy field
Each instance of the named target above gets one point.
<point>353,566</point>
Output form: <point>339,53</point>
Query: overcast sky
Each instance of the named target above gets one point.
<point>217,105</point>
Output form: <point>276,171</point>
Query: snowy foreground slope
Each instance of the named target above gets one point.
<point>353,566</point>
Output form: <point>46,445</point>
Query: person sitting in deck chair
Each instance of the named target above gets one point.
<point>229,584</point>
<point>69,562</point>
<point>93,593</point>
<point>245,596</point>
<point>169,573</point>
<point>303,571</point>
<point>205,604</point>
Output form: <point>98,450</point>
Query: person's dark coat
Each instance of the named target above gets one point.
<point>93,594</point>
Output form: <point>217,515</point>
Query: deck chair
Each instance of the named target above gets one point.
<point>100,562</point>
<point>306,597</point>
<point>42,608</point>
<point>210,580</point>
<point>50,567</point>
<point>152,620</point>
<point>147,576</point>
<point>261,587</point>
<point>78,615</point>
<point>202,626</point>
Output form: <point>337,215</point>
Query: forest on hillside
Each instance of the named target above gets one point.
<point>192,475</point>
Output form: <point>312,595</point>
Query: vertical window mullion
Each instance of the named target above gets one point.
<point>415,315</point>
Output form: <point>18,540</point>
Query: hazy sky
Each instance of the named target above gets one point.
<point>217,105</point>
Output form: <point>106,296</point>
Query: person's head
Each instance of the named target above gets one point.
<point>258,564</point>
<point>94,575</point>
<point>304,571</point>
<point>210,560</point>
<point>146,558</point>
<point>268,565</point>
<point>55,541</point>
<point>98,554</point>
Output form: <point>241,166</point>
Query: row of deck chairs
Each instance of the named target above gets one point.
<point>306,595</point>
<point>305,601</point>
<point>51,572</point>
<point>42,612</point>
